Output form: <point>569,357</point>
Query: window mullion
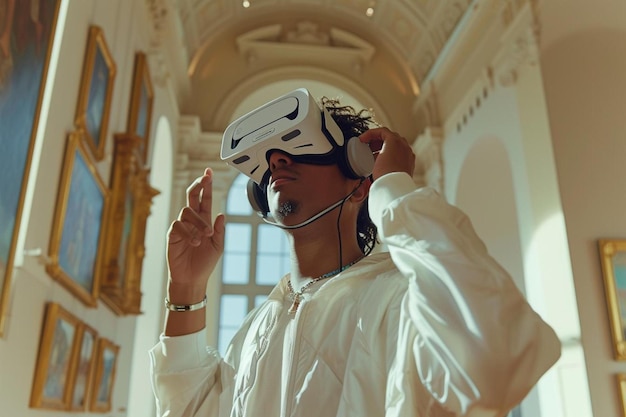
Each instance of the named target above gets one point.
<point>239,212</point>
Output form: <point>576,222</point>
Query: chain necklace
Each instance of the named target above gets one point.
<point>297,296</point>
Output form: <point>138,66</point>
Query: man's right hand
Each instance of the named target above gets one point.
<point>194,243</point>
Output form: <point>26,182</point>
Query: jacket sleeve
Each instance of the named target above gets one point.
<point>185,376</point>
<point>465,333</point>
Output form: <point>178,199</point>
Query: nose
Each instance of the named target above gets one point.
<point>278,159</point>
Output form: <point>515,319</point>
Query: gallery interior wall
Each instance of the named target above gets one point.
<point>584,58</point>
<point>562,156</point>
<point>126,28</point>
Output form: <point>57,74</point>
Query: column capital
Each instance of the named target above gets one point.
<point>429,161</point>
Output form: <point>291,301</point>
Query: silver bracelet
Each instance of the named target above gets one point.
<point>189,307</point>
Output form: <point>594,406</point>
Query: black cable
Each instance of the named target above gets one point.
<point>339,222</point>
<point>339,235</point>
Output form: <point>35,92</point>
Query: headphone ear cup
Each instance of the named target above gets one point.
<point>359,158</point>
<point>257,198</point>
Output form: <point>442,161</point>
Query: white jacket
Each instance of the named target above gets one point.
<point>432,328</point>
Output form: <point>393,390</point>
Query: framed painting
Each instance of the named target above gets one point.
<point>621,388</point>
<point>131,198</point>
<point>613,264</point>
<point>51,386</point>
<point>141,99</point>
<point>77,237</point>
<point>96,92</point>
<point>24,60</point>
<point>84,368</point>
<point>104,379</point>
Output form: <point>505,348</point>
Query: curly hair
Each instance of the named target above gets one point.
<point>353,123</point>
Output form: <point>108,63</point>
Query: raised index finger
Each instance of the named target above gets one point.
<point>200,196</point>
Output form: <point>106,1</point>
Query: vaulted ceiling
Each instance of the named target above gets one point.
<point>380,51</point>
<point>416,29</point>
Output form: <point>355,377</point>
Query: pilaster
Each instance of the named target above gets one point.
<point>429,163</point>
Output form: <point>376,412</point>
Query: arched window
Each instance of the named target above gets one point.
<point>256,256</point>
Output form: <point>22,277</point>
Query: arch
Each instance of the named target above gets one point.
<point>254,93</point>
<point>485,192</point>
<point>538,262</point>
<point>588,129</point>
<point>148,325</point>
<point>280,78</point>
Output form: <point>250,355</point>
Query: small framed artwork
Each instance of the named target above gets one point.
<point>621,387</point>
<point>104,378</point>
<point>141,99</point>
<point>96,92</point>
<point>82,375</point>
<point>76,241</point>
<point>26,39</point>
<point>52,382</point>
<point>613,263</point>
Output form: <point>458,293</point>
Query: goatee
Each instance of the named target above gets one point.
<point>287,208</point>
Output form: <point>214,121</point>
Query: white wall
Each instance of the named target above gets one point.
<point>497,133</point>
<point>560,121</point>
<point>126,30</point>
<point>559,110</point>
<point>583,57</point>
<point>490,175</point>
<point>149,324</point>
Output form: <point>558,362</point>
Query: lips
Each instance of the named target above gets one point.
<point>281,177</point>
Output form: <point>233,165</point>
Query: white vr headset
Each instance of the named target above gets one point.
<point>294,124</point>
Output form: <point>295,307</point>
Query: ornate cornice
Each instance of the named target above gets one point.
<point>198,150</point>
<point>429,163</point>
<point>426,107</point>
<point>158,12</point>
<point>305,42</point>
<point>521,38</point>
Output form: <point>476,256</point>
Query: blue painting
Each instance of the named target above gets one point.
<point>82,222</point>
<point>96,101</point>
<point>619,273</point>
<point>60,355</point>
<point>105,377</point>
<point>105,385</point>
<point>96,90</point>
<point>144,107</point>
<point>141,104</point>
<point>84,365</point>
<point>26,32</point>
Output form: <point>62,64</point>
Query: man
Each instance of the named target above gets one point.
<point>432,327</point>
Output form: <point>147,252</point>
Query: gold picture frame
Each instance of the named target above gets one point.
<point>77,238</point>
<point>131,198</point>
<point>104,377</point>
<point>84,368</point>
<point>55,360</point>
<point>96,91</point>
<point>23,74</point>
<point>621,388</point>
<point>613,264</point>
<point>141,103</point>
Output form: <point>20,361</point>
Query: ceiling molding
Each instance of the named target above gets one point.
<point>429,153</point>
<point>413,31</point>
<point>306,43</point>
<point>520,41</point>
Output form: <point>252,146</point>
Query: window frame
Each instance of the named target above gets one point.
<point>251,290</point>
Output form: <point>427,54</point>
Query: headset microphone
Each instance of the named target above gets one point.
<point>315,216</point>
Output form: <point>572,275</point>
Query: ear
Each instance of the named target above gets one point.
<point>257,198</point>
<point>362,191</point>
